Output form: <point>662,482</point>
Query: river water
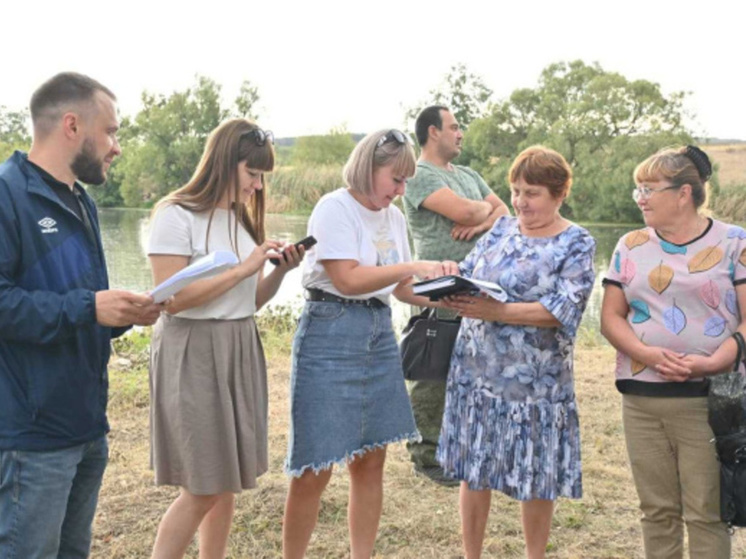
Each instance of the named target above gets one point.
<point>124,232</point>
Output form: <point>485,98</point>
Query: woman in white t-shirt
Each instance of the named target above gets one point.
<point>208,377</point>
<point>348,399</point>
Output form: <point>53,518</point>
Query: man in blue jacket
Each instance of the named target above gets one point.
<point>57,317</point>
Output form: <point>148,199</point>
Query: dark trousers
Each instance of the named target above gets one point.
<point>428,399</point>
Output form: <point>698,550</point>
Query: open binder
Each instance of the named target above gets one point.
<point>450,285</point>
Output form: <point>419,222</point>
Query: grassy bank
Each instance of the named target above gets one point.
<point>730,204</point>
<point>420,520</point>
<point>296,190</point>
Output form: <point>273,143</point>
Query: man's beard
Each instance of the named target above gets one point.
<point>87,167</point>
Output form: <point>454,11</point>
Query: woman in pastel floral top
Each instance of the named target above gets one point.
<point>511,420</point>
<point>671,303</point>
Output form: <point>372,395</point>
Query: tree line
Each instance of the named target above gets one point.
<point>602,122</point>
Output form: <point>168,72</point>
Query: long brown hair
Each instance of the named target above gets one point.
<point>228,145</point>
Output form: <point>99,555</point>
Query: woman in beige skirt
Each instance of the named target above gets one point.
<point>208,379</point>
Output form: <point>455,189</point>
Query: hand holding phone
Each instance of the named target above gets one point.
<point>306,243</point>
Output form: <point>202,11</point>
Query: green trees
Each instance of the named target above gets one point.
<point>462,91</point>
<point>14,131</point>
<point>163,143</point>
<point>603,123</point>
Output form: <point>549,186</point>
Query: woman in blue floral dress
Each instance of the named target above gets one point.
<point>511,421</point>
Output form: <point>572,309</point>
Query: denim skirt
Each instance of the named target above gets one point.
<point>347,389</point>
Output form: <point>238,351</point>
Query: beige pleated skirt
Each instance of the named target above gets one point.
<point>208,411</point>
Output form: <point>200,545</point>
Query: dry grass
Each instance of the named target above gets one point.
<point>731,159</point>
<point>419,520</point>
<point>729,204</point>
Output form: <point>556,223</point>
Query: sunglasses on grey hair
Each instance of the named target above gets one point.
<point>261,137</point>
<point>393,135</point>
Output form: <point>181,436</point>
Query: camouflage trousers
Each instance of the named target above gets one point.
<point>428,400</point>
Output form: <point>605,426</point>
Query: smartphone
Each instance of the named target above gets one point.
<point>306,243</point>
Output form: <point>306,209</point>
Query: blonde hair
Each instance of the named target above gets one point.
<point>673,165</point>
<point>228,145</point>
<point>540,166</point>
<point>369,156</point>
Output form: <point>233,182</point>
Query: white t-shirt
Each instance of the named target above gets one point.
<point>176,230</point>
<point>346,230</point>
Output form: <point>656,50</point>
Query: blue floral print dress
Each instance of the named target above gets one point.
<point>511,421</point>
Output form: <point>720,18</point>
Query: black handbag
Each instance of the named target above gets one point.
<point>726,417</point>
<point>426,346</point>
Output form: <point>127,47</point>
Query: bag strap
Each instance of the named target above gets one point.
<point>741,354</point>
<point>432,313</point>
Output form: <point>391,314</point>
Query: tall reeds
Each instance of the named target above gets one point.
<point>296,189</point>
<point>729,204</point>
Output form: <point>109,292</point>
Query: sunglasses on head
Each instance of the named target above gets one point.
<point>261,137</point>
<point>393,135</point>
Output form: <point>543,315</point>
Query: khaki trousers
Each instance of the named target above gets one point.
<point>676,474</point>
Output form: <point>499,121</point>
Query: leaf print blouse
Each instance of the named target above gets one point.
<point>680,297</point>
<point>517,362</point>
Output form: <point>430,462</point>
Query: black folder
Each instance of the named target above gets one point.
<point>438,288</point>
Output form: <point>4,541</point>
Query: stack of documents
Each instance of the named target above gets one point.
<point>450,285</point>
<point>205,267</point>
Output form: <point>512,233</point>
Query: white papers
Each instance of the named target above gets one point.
<point>205,267</point>
<point>491,289</point>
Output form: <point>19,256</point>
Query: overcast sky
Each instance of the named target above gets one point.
<point>322,64</point>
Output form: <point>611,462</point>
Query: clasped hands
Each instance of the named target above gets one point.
<point>679,367</point>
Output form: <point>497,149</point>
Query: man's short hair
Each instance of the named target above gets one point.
<point>59,94</point>
<point>429,116</point>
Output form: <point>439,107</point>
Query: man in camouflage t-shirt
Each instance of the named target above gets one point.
<point>448,207</point>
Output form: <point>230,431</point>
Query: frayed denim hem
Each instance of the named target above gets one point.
<point>414,437</point>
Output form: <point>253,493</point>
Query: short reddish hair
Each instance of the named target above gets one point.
<point>540,166</point>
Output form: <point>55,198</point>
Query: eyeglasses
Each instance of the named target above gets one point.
<point>393,135</point>
<point>261,137</point>
<point>643,192</point>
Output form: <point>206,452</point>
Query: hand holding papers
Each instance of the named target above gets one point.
<point>205,267</point>
<point>450,285</point>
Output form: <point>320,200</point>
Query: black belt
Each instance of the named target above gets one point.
<point>326,297</point>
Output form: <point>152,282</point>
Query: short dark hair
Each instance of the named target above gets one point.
<point>58,93</point>
<point>429,116</point>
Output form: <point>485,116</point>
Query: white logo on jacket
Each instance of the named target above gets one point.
<point>48,225</point>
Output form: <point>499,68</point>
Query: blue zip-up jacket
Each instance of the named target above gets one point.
<point>53,354</point>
